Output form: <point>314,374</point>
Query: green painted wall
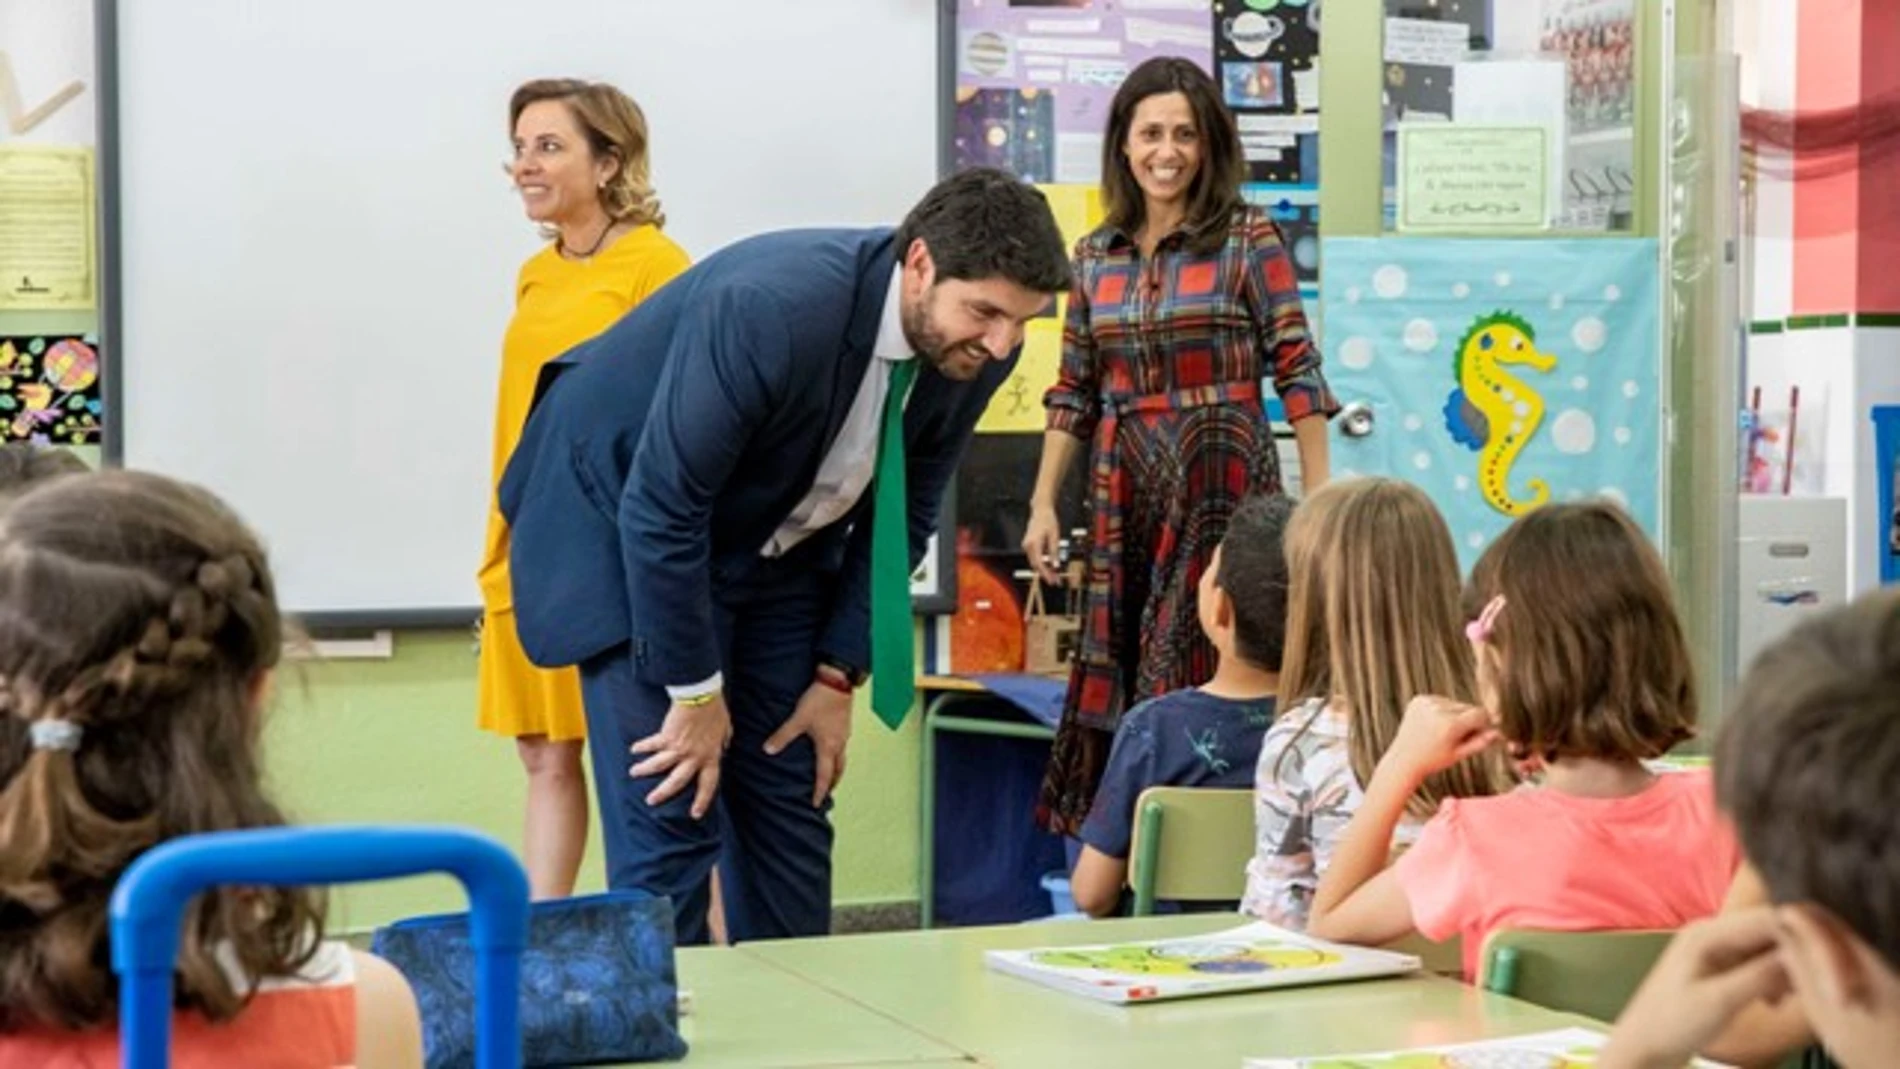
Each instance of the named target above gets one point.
<point>395,740</point>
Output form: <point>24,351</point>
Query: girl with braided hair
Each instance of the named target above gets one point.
<point>138,631</point>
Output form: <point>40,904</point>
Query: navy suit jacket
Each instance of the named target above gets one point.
<point>661,456</point>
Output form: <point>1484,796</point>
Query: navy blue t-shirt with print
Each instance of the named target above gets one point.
<point>1185,739</point>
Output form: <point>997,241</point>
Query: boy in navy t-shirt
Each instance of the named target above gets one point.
<point>1208,736</point>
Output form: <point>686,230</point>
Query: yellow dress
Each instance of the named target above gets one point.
<point>559,303</point>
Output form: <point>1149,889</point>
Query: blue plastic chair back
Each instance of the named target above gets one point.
<point>149,902</point>
<point>1886,474</point>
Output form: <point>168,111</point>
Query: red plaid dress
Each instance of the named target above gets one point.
<point>1162,363</point>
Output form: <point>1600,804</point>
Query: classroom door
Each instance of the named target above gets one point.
<point>1498,375</point>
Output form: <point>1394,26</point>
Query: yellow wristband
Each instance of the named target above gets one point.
<point>697,700</point>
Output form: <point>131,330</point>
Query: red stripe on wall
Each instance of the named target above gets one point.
<point>1878,272</point>
<point>1828,67</point>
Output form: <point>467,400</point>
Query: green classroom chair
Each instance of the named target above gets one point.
<point>1588,973</point>
<point>1439,959</point>
<point>1192,844</point>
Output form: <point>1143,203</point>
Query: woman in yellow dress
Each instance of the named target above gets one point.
<point>580,164</point>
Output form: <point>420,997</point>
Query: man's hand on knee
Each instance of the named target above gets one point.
<point>687,750</point>
<point>824,713</point>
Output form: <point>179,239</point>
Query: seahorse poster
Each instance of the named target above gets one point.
<point>49,389</point>
<point>1500,375</point>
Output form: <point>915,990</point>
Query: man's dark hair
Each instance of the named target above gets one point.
<point>1253,572</point>
<point>984,223</point>
<point>1807,765</point>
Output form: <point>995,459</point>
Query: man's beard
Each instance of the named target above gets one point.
<point>928,342</point>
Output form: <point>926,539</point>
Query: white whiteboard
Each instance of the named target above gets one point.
<point>318,246</point>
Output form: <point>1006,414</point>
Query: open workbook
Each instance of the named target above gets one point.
<point>1571,1048</point>
<point>1247,958</point>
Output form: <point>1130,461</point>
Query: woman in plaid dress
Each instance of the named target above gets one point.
<point>1185,300</point>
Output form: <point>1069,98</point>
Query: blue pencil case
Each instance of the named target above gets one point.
<point>597,982</point>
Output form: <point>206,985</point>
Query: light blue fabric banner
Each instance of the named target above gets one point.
<point>1501,375</point>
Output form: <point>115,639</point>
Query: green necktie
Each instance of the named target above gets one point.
<point>893,675</point>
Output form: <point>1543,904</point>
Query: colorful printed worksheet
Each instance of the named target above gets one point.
<point>1248,958</point>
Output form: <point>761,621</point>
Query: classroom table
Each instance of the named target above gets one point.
<point>938,694</point>
<point>746,1011</point>
<point>936,983</point>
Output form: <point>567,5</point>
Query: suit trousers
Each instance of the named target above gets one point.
<point>772,846</point>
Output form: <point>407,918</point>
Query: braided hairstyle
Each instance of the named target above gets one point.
<point>26,464</point>
<point>141,611</point>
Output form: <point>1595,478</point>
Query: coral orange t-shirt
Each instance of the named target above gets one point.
<point>307,1021</point>
<point>1542,859</point>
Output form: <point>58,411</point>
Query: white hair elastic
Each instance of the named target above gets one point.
<point>55,734</point>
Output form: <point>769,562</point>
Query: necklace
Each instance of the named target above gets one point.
<point>584,257</point>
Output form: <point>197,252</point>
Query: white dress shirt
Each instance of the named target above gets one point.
<point>850,462</point>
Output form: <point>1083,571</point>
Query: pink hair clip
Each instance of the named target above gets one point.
<point>1479,630</point>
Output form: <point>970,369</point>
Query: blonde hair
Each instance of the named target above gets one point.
<point>615,127</point>
<point>1373,621</point>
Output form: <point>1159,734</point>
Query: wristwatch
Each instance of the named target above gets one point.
<point>853,676</point>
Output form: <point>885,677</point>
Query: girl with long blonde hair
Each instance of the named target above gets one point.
<point>1373,620</point>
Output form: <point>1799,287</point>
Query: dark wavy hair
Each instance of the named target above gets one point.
<point>1214,194</point>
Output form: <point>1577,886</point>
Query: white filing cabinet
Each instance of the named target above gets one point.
<point>1792,565</point>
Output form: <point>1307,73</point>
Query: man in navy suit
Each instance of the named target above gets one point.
<point>691,510</point>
